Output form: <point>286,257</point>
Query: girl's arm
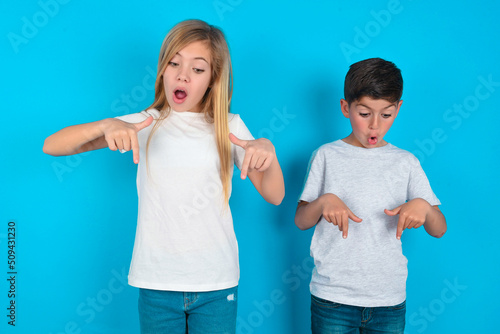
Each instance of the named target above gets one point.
<point>262,167</point>
<point>110,132</point>
<point>269,183</point>
<point>76,139</point>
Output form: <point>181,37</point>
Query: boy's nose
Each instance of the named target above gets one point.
<point>374,123</point>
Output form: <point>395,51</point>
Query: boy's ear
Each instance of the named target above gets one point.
<point>344,107</point>
<point>397,108</point>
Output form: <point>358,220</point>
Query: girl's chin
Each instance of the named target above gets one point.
<point>180,107</point>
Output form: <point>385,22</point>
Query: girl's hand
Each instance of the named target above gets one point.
<point>259,154</point>
<point>336,212</point>
<point>120,135</point>
<point>412,214</point>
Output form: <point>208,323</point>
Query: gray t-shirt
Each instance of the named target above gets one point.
<point>368,268</point>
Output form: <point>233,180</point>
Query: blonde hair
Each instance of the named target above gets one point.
<point>216,101</point>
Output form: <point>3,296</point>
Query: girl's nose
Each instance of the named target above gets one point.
<point>182,75</point>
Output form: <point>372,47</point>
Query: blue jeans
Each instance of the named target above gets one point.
<point>333,318</point>
<point>188,312</point>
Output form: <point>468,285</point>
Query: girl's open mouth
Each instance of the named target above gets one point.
<point>179,96</point>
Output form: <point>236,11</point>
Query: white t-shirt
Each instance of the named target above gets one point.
<point>367,269</point>
<point>185,239</point>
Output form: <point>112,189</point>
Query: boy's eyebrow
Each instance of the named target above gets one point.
<point>199,58</point>
<point>390,105</point>
<point>395,104</point>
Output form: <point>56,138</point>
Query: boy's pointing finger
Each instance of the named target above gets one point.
<point>401,227</point>
<point>393,212</point>
<point>345,229</point>
<point>354,217</point>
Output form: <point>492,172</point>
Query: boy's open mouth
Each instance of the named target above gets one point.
<point>372,140</point>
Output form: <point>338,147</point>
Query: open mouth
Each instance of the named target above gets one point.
<point>372,140</point>
<point>179,95</point>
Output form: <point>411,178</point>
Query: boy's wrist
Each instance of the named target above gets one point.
<point>324,198</point>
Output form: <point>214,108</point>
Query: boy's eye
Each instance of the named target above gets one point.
<point>386,115</point>
<point>364,114</point>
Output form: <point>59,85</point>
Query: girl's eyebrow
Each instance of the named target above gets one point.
<point>201,58</point>
<point>198,58</point>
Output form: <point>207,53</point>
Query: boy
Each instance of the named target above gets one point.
<point>372,191</point>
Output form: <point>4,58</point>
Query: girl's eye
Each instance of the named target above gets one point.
<point>386,115</point>
<point>198,70</point>
<point>174,64</point>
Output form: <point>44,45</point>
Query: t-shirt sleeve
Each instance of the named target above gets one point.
<point>313,186</point>
<point>419,186</point>
<point>139,117</point>
<point>238,128</point>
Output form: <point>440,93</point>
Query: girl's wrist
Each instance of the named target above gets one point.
<point>104,125</point>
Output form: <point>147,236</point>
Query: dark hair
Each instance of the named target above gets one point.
<point>376,78</point>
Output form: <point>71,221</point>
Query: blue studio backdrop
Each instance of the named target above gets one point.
<point>67,62</point>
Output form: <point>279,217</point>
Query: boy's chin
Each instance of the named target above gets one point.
<point>378,143</point>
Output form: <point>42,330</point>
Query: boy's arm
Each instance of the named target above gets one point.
<point>308,214</point>
<point>329,206</point>
<point>416,213</point>
<point>435,223</point>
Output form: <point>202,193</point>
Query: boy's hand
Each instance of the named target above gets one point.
<point>120,135</point>
<point>259,154</point>
<point>336,212</point>
<point>412,214</point>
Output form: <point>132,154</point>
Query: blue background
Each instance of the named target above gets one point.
<point>72,62</point>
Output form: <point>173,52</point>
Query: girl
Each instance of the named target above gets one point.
<point>185,258</point>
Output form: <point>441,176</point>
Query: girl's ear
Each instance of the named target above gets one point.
<point>344,107</point>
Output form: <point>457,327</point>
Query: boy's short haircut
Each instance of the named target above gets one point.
<point>376,78</point>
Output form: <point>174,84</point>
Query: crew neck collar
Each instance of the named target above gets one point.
<point>188,113</point>
<point>364,149</point>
